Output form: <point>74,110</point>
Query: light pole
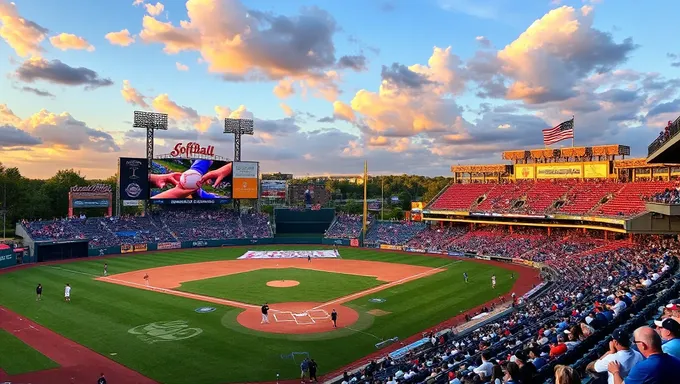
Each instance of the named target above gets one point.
<point>4,209</point>
<point>151,121</point>
<point>238,127</point>
<point>382,198</point>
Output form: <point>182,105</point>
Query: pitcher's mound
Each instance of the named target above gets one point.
<point>282,283</point>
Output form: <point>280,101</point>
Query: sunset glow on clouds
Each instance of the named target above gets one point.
<point>408,87</point>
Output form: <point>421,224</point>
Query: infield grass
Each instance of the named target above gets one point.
<point>251,287</point>
<point>16,357</point>
<point>101,315</point>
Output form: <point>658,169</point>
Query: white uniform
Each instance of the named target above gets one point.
<point>67,292</point>
<point>493,281</point>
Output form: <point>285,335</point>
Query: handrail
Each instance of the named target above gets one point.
<point>673,130</point>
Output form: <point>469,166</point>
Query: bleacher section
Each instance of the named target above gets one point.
<point>595,198</point>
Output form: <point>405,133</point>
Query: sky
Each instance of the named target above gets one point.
<point>410,86</point>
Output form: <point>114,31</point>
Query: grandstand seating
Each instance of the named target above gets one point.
<point>393,232</point>
<point>630,198</point>
<point>345,227</point>
<point>167,226</point>
<point>460,196</point>
<point>596,198</point>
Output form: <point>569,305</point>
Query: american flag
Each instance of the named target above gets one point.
<point>561,132</point>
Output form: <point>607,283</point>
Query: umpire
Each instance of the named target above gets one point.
<point>334,317</point>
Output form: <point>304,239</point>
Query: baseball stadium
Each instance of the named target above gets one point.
<point>541,260</point>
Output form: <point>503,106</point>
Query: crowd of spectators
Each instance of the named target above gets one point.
<point>345,226</point>
<point>165,226</point>
<point>393,232</point>
<point>669,196</point>
<point>557,326</point>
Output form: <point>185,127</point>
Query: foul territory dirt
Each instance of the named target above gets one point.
<point>78,364</point>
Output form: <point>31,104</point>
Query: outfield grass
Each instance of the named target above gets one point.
<point>16,357</point>
<point>251,287</point>
<point>101,314</point>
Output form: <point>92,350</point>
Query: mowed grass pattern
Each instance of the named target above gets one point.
<point>251,287</point>
<point>101,314</point>
<point>16,357</point>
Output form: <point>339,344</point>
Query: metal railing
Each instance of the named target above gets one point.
<point>673,130</point>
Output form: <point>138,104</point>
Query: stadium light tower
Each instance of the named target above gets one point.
<point>238,127</point>
<point>151,121</point>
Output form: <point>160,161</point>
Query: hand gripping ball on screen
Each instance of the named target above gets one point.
<point>190,179</point>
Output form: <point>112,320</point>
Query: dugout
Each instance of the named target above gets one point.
<point>307,221</point>
<point>55,250</point>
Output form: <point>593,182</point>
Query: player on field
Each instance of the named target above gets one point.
<point>465,276</point>
<point>38,292</point>
<point>334,317</point>
<point>67,293</point>
<point>309,258</point>
<point>146,279</point>
<point>106,269</point>
<point>493,281</point>
<point>265,316</point>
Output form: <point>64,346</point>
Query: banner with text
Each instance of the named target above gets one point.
<point>134,178</point>
<point>565,171</point>
<point>245,180</point>
<point>273,189</point>
<point>322,254</point>
<point>126,248</point>
<point>162,246</point>
<point>139,247</point>
<point>391,247</point>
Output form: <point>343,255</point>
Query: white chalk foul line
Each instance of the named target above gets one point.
<point>165,290</point>
<point>385,286</point>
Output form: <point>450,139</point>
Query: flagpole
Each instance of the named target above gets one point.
<point>573,131</point>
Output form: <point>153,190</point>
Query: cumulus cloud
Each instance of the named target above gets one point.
<point>483,42</point>
<point>55,71</point>
<point>675,59</point>
<point>181,67</point>
<point>24,36</point>
<point>15,137</point>
<point>354,62</point>
<point>155,9</point>
<point>288,111</point>
<point>235,40</point>
<point>132,95</point>
<point>546,62</point>
<point>343,111</point>
<point>66,41</point>
<point>122,38</point>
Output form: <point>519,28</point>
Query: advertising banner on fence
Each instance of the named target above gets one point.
<point>139,247</point>
<point>245,180</point>
<point>126,248</point>
<point>482,257</point>
<point>524,171</point>
<point>456,254</point>
<point>90,203</point>
<point>391,247</point>
<point>169,245</point>
<point>416,250</point>
<point>354,243</point>
<point>322,254</point>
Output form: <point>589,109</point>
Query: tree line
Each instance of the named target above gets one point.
<point>32,199</point>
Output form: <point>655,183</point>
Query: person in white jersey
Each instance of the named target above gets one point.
<point>67,293</point>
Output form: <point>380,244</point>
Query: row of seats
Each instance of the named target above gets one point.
<point>595,197</point>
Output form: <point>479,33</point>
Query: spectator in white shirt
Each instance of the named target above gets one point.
<point>619,306</point>
<point>619,350</point>
<point>486,368</point>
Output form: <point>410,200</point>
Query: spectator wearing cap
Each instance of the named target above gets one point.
<point>619,350</point>
<point>537,359</point>
<point>669,330</point>
<point>674,311</point>
<point>657,367</point>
